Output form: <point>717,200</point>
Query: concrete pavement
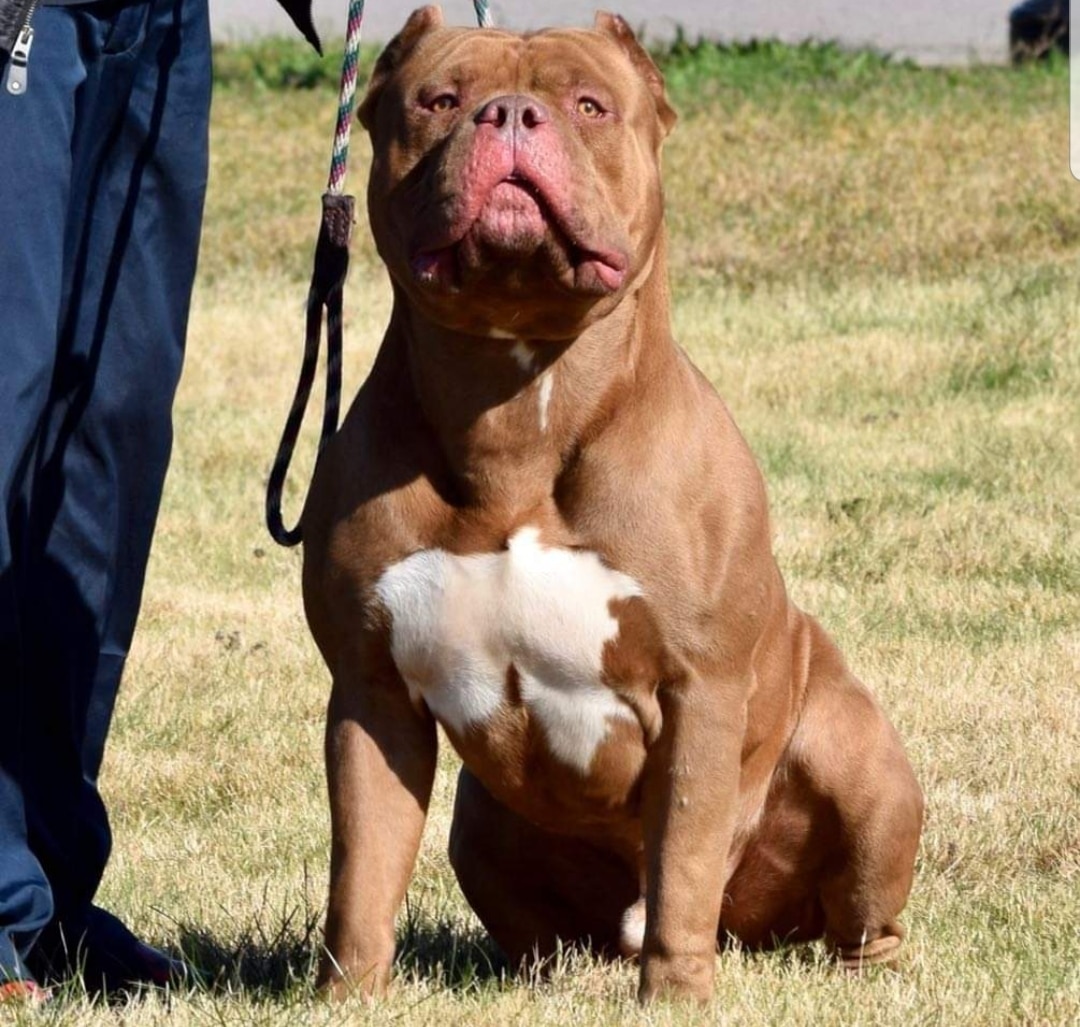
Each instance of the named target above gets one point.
<point>929,31</point>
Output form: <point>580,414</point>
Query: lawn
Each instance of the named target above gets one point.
<point>879,268</point>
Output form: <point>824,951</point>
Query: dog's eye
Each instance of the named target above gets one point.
<point>442,103</point>
<point>587,107</point>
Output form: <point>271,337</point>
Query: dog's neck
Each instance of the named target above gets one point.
<point>509,414</point>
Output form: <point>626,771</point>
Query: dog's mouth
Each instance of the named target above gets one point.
<point>516,225</point>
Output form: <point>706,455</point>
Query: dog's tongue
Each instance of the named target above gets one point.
<point>511,221</point>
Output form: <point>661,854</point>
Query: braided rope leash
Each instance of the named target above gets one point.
<point>483,14</point>
<point>340,159</point>
<point>327,285</point>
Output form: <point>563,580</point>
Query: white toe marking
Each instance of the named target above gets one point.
<point>632,929</point>
<point>458,623</point>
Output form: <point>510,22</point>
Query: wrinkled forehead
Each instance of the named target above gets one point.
<point>546,59</point>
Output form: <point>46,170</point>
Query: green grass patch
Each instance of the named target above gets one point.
<point>282,63</point>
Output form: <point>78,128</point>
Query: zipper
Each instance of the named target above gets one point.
<point>15,80</point>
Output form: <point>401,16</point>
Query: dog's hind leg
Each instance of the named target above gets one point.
<point>852,758</point>
<point>834,852</point>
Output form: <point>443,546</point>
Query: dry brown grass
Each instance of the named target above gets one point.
<point>884,285</point>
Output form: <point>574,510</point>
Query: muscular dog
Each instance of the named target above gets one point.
<point>540,528</point>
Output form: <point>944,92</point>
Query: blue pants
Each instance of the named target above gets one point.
<point>102,177</point>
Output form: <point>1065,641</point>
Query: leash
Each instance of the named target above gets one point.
<point>331,263</point>
<point>483,14</point>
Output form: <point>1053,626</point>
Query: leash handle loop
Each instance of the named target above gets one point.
<point>327,286</point>
<point>325,294</point>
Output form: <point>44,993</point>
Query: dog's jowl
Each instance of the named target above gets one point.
<point>540,528</point>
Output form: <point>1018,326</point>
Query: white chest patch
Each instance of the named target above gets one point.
<point>458,623</point>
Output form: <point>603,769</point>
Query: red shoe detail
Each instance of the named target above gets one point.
<point>23,991</point>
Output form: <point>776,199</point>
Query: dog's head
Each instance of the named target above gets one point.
<point>515,184</point>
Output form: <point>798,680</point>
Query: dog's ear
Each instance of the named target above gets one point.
<point>420,23</point>
<point>616,28</point>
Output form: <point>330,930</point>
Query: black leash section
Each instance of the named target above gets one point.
<point>327,285</point>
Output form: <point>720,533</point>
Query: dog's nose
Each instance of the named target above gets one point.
<point>509,112</point>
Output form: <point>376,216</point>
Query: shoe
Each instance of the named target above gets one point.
<point>23,992</point>
<point>110,959</point>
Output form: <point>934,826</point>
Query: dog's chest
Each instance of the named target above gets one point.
<point>528,629</point>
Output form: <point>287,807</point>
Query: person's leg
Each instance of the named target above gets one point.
<point>36,132</point>
<point>140,156</point>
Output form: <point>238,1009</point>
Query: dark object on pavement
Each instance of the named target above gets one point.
<point>1037,27</point>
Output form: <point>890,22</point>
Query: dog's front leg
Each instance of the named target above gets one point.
<point>689,804</point>
<point>380,763</point>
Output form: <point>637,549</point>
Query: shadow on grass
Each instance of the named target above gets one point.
<point>276,958</point>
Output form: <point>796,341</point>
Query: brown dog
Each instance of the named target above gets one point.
<point>540,528</point>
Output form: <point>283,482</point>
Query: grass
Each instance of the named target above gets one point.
<point>878,267</point>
